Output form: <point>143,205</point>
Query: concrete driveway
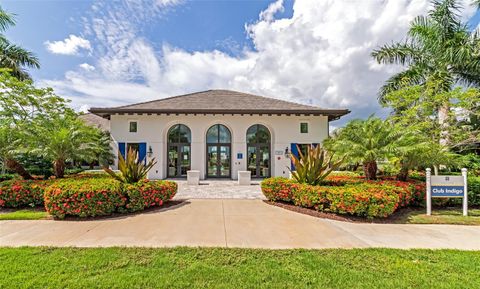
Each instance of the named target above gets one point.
<point>233,223</point>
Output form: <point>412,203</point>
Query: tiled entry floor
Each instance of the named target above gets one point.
<point>218,189</point>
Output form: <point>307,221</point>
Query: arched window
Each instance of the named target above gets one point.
<point>258,151</point>
<point>218,158</point>
<point>179,157</point>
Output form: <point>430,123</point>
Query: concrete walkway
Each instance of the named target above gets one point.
<point>233,223</point>
<point>219,189</point>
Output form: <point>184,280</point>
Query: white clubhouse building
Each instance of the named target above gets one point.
<point>217,132</point>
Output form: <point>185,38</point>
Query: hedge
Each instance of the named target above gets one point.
<point>21,193</point>
<point>366,199</point>
<point>84,197</point>
<point>90,197</point>
<point>148,193</point>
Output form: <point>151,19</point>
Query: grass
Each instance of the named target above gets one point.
<point>443,216</point>
<point>44,267</point>
<point>24,214</point>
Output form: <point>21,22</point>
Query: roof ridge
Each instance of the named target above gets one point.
<point>159,99</point>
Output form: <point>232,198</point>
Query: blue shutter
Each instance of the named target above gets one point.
<point>121,148</point>
<point>293,151</point>
<point>142,152</point>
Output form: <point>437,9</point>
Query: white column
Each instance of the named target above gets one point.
<point>429,192</point>
<point>465,195</point>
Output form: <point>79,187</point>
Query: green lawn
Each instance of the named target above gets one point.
<point>24,214</point>
<point>444,216</point>
<point>236,268</point>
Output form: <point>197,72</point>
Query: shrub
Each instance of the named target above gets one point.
<point>278,189</point>
<point>84,197</point>
<point>19,193</point>
<point>132,168</point>
<point>6,177</point>
<point>148,193</point>
<point>314,166</point>
<point>474,191</point>
<point>359,197</point>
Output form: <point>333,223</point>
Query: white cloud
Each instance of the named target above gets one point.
<point>87,67</point>
<point>69,46</point>
<point>320,56</point>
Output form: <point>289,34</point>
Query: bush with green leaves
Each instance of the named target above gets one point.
<point>313,167</point>
<point>132,169</point>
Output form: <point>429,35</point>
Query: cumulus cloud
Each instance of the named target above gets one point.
<point>87,67</point>
<point>319,56</point>
<point>69,46</point>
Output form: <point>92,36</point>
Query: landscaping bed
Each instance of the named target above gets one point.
<point>86,195</point>
<point>45,267</point>
<point>347,195</point>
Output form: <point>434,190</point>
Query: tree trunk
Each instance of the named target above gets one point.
<point>403,174</point>
<point>443,121</point>
<point>370,170</point>
<point>59,168</point>
<point>15,166</point>
<point>435,170</point>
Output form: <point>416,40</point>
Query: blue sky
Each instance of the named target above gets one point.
<point>105,53</point>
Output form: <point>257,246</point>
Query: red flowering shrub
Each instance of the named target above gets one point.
<point>347,195</point>
<point>19,193</point>
<point>84,197</point>
<point>278,189</point>
<point>147,193</point>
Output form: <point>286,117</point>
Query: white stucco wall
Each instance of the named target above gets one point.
<point>153,130</point>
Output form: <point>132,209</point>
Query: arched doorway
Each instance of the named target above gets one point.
<point>178,153</point>
<point>219,142</point>
<point>258,151</point>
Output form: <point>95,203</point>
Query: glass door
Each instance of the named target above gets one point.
<point>252,160</point>
<point>224,161</point>
<point>178,160</point>
<point>172,161</point>
<point>212,161</point>
<point>258,160</point>
<point>218,161</point>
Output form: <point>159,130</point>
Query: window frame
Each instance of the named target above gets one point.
<point>307,127</point>
<point>130,122</point>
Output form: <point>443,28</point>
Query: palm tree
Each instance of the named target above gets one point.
<point>65,139</point>
<point>366,142</point>
<point>13,56</point>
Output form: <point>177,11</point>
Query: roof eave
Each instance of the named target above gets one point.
<point>333,114</point>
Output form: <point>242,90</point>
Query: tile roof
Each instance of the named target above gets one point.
<point>220,101</point>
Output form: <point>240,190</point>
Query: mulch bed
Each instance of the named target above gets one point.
<point>395,218</point>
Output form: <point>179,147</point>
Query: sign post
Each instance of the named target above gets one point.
<point>447,187</point>
<point>465,197</point>
<point>429,192</point>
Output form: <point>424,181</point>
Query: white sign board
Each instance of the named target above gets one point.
<point>447,187</point>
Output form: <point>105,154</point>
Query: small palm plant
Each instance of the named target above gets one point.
<point>313,167</point>
<point>132,169</point>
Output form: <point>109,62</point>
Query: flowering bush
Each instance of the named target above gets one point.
<point>278,189</point>
<point>19,193</point>
<point>346,195</point>
<point>147,193</point>
<point>84,197</point>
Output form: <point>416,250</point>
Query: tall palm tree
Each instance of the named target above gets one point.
<point>13,56</point>
<point>439,49</point>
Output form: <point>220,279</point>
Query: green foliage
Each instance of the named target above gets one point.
<point>13,56</point>
<point>313,167</point>
<point>366,142</point>
<point>439,48</point>
<point>131,168</point>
